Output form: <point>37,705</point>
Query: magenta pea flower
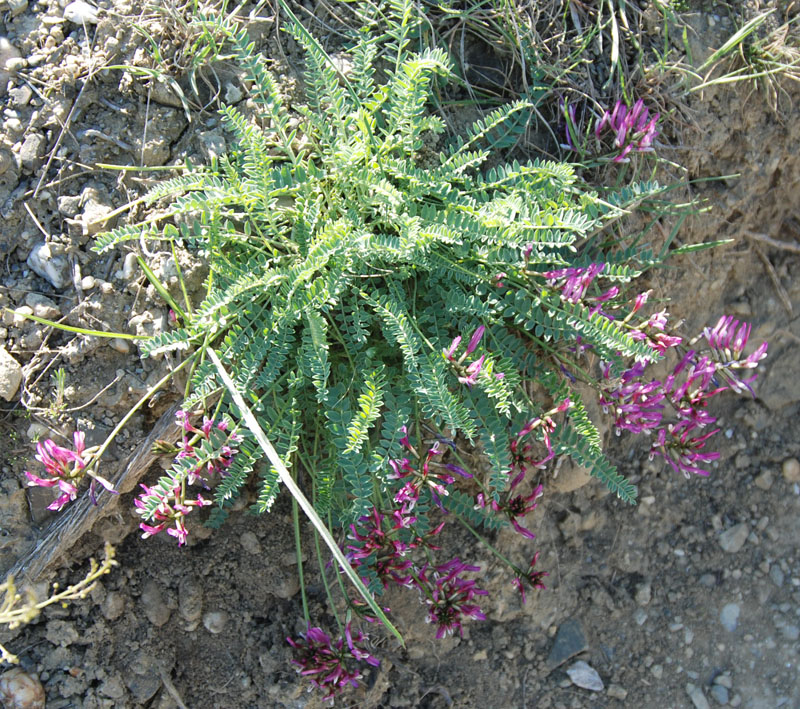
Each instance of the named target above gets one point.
<point>65,469</point>
<point>170,511</point>
<point>531,577</point>
<point>331,666</point>
<point>634,128</point>
<point>451,598</point>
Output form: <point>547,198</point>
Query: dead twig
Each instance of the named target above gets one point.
<point>780,290</point>
<point>776,243</point>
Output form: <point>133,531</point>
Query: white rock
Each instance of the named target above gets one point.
<point>10,375</point>
<point>80,13</point>
<point>49,262</point>
<point>585,676</point>
<point>129,266</point>
<point>215,621</point>
<point>19,690</point>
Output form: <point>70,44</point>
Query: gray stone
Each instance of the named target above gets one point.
<point>724,681</point>
<point>615,691</point>
<point>113,605</point>
<point>764,481</point>
<point>20,96</point>
<point>733,539</point>
<point>143,687</point>
<point>155,607</point>
<point>10,375</point>
<point>720,694</point>
<point>776,574</point>
<point>644,593</point>
<point>585,677</point>
<point>190,599</point>
<point>790,632</point>
<point>95,217</point>
<point>49,262</point>
<point>698,698</point>
<point>569,641</point>
<point>42,306</point>
<point>250,543</point>
<point>729,616</point>
<point>69,205</point>
<point>215,621</point>
<point>6,160</point>
<point>212,145</point>
<point>31,151</point>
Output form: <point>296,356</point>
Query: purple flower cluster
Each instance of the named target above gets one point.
<point>574,282</point>
<point>372,541</point>
<point>171,510</point>
<point>675,410</point>
<point>207,453</point>
<point>331,666</point>
<point>65,469</point>
<point>450,598</point>
<point>431,475</point>
<point>633,128</point>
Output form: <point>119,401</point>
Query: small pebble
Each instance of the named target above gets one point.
<point>250,543</point>
<point>791,632</point>
<point>120,344</point>
<point>19,690</point>
<point>585,676</point>
<point>776,574</point>
<point>720,694</point>
<point>190,599</point>
<point>155,607</point>
<point>644,593</point>
<point>617,692</point>
<point>698,698</point>
<point>764,481</point>
<point>88,282</point>
<point>733,539</point>
<point>215,621</point>
<point>724,681</point>
<point>10,375</point>
<point>17,7</point>
<point>729,617</point>
<point>129,266</point>
<point>80,13</point>
<point>791,470</point>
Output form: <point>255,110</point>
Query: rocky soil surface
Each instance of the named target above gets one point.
<point>690,599</point>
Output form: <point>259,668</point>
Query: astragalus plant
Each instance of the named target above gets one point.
<point>413,330</point>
